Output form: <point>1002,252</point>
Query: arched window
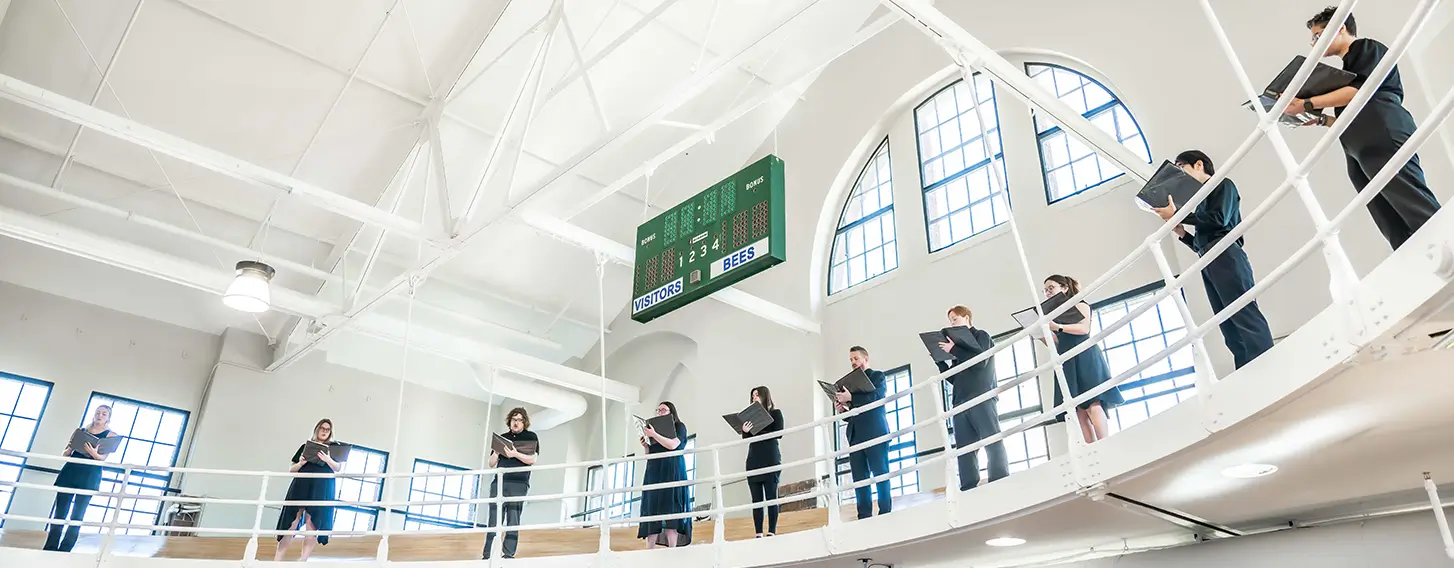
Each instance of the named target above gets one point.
<point>1070,166</point>
<point>864,246</point>
<point>961,195</point>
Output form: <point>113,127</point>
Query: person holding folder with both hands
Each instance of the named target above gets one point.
<point>872,461</point>
<point>310,517</point>
<point>85,476</point>
<point>1085,371</point>
<point>760,454</point>
<point>520,452</point>
<point>962,342</point>
<point>666,500</point>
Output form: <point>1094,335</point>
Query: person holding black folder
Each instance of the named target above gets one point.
<point>86,476</point>
<point>517,483</point>
<point>1084,371</point>
<point>872,461</point>
<point>309,517</point>
<point>1377,132</point>
<point>668,500</point>
<point>760,454</point>
<point>963,342</point>
<point>1229,275</point>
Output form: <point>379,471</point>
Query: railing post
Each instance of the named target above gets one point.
<point>497,517</point>
<point>249,555</point>
<point>110,539</point>
<point>1439,518</point>
<point>719,527</point>
<point>951,463</point>
<point>1205,376</point>
<point>605,509</point>
<point>834,501</point>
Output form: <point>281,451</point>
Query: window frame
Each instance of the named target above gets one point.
<point>421,520</point>
<point>883,211</point>
<point>372,511</point>
<point>601,509</point>
<point>1013,415</point>
<point>908,449</point>
<point>20,463</point>
<point>989,161</point>
<point>159,483</point>
<point>690,460</point>
<point>1114,415</point>
<point>1088,114</point>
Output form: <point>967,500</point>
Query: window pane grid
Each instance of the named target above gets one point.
<point>865,244</point>
<point>362,517</point>
<point>962,195</point>
<point>1160,386</point>
<point>903,450</point>
<point>616,505</point>
<point>1071,167</point>
<point>1029,448</point>
<point>440,487</point>
<point>22,402</point>
<point>691,462</point>
<point>151,436</point>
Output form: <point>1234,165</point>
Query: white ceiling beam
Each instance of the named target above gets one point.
<point>970,52</point>
<point>575,47</point>
<point>131,131</point>
<point>625,256</point>
<point>101,87</point>
<point>580,70</point>
<point>412,277</point>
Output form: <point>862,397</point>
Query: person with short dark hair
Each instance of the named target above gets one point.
<point>760,454</point>
<point>1378,132</point>
<point>872,461</point>
<point>516,483</point>
<point>1229,275</point>
<point>981,420</point>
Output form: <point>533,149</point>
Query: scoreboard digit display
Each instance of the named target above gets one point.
<point>718,237</point>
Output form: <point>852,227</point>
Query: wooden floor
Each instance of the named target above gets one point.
<point>411,547</point>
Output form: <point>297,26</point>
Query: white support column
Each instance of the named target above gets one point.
<point>108,542</point>
<point>1439,517</point>
<point>719,527</point>
<point>249,553</point>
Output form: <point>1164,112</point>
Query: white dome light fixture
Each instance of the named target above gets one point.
<point>1005,541</point>
<point>249,290</point>
<point>1249,471</point>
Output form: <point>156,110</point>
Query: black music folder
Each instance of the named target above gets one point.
<point>754,413</point>
<point>104,446</point>
<point>1325,79</point>
<point>337,452</point>
<point>856,381</point>
<point>931,340</point>
<point>1169,181</point>
<point>664,425</point>
<point>1070,316</point>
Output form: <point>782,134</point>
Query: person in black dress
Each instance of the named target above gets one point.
<point>77,476</point>
<point>1376,133</point>
<point>310,517</point>
<point>517,483</point>
<point>979,421</point>
<point>1084,371</point>
<point>669,500</point>
<point>760,454</point>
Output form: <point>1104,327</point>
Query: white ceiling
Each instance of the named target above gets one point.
<point>334,92</point>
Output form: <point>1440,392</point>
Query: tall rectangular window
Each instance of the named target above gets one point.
<point>360,517</point>
<point>440,485</point>
<point>619,475</point>
<point>903,450</point>
<point>691,462</point>
<point>22,402</point>
<point>152,436</point>
<point>1162,385</point>
<point>962,195</point>
<point>865,244</point>
<point>1026,449</point>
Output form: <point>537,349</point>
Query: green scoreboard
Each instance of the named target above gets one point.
<point>718,237</point>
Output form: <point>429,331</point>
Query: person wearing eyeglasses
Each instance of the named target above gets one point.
<point>1379,131</point>
<point>1085,371</point>
<point>310,517</point>
<point>516,483</point>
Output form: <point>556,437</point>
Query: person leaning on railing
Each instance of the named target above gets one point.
<point>760,454</point>
<point>981,420</point>
<point>667,500</point>
<point>872,461</point>
<point>78,476</point>
<point>309,517</point>
<point>517,483</point>
<point>1376,134</point>
<point>1085,371</point>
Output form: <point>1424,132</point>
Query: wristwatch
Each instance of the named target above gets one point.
<point>1308,106</point>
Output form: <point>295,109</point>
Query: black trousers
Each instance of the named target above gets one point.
<point>1227,277</point>
<point>972,425</point>
<point>1406,202</point>
<point>872,461</point>
<point>764,491</point>
<point>512,517</point>
<point>68,506</point>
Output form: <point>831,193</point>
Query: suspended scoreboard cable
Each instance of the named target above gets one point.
<point>718,237</point>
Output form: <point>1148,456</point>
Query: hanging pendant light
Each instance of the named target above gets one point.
<point>249,290</point>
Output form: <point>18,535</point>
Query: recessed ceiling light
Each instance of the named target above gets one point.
<point>1005,541</point>
<point>1249,470</point>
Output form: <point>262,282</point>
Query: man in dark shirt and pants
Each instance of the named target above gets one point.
<point>517,484</point>
<point>872,461</point>
<point>1376,133</point>
<point>979,421</point>
<point>1229,275</point>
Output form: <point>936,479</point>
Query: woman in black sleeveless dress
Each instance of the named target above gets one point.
<point>309,517</point>
<point>760,454</point>
<point>78,476</point>
<point>1084,371</point>
<point>665,501</point>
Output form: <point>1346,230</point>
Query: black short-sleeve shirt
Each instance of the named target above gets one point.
<point>1363,55</point>
<point>522,476</point>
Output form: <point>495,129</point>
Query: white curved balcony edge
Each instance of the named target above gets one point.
<point>1406,286</point>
